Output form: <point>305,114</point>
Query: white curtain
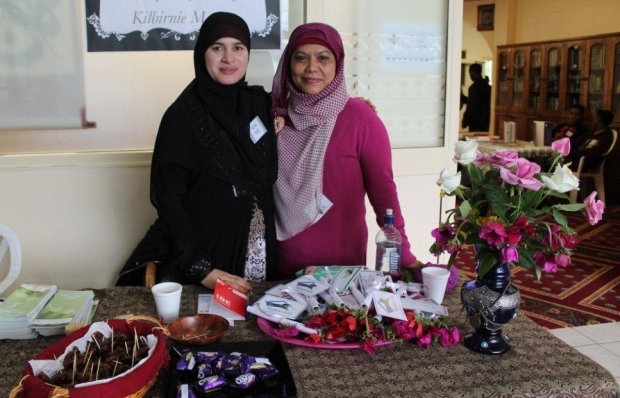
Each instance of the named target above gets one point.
<point>41,66</point>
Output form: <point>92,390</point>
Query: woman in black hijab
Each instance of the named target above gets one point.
<point>213,168</point>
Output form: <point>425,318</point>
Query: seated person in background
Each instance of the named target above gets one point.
<point>595,143</point>
<point>574,129</point>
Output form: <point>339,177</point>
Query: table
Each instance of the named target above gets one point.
<point>538,154</point>
<point>539,364</point>
<point>517,146</point>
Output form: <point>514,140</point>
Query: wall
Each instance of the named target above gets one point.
<point>479,45</point>
<point>77,217</point>
<point>537,20</point>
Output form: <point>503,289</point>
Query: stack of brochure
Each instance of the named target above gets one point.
<point>21,308</point>
<point>66,307</point>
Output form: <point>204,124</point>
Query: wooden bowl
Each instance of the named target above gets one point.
<point>201,329</point>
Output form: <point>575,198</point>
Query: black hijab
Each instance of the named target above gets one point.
<point>225,102</point>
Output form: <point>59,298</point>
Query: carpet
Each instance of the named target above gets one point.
<point>584,293</point>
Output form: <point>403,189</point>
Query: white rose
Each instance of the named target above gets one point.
<point>448,182</point>
<point>562,180</point>
<point>465,151</point>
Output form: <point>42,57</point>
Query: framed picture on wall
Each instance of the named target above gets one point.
<point>486,17</point>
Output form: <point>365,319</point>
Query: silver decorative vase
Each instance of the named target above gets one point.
<point>491,302</point>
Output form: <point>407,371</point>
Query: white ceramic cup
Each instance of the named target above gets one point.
<point>434,281</point>
<point>168,300</point>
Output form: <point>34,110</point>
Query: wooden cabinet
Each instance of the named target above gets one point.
<point>540,81</point>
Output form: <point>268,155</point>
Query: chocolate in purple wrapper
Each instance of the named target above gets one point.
<point>209,383</point>
<point>187,361</point>
<point>245,380</point>
<point>230,362</point>
<point>263,370</point>
<point>184,391</point>
<point>207,357</point>
<point>204,370</point>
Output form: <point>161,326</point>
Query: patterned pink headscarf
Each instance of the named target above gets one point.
<point>309,122</point>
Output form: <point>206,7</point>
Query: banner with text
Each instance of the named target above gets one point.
<point>152,25</point>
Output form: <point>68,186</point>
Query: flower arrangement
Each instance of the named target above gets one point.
<point>503,211</point>
<point>336,325</point>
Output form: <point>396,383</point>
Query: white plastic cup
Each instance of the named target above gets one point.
<point>435,280</point>
<point>168,300</point>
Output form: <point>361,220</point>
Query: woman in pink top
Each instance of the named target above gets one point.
<point>333,150</point>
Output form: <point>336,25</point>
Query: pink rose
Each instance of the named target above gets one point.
<point>504,158</point>
<point>523,176</point>
<point>426,339</point>
<point>594,209</point>
<point>493,232</point>
<point>509,254</point>
<point>449,337</point>
<point>369,346</point>
<point>514,235</point>
<point>443,235</point>
<point>403,331</point>
<point>562,259</point>
<point>562,146</point>
<point>569,241</point>
<point>546,263</point>
<point>482,159</point>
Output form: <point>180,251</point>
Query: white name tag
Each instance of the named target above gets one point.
<point>257,129</point>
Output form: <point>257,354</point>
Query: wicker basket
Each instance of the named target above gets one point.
<point>134,384</point>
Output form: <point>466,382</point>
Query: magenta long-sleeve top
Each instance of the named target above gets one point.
<point>358,161</point>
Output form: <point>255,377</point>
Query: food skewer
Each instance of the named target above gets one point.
<point>74,367</point>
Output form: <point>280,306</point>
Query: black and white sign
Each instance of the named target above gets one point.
<point>152,25</point>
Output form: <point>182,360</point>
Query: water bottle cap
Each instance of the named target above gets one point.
<point>389,212</point>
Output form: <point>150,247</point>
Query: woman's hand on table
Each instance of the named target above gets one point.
<point>235,281</point>
<point>415,264</point>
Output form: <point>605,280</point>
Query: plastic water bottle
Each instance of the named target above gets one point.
<point>389,243</point>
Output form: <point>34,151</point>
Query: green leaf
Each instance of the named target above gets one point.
<point>473,239</point>
<point>559,217</point>
<point>530,201</point>
<point>451,259</point>
<point>498,199</point>
<point>526,260</point>
<point>476,176</point>
<point>570,207</point>
<point>465,208</point>
<point>486,264</point>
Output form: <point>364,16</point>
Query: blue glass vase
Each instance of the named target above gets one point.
<point>491,302</point>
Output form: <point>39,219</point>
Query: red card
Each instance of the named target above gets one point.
<point>230,298</point>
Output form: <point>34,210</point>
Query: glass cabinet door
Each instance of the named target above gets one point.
<point>597,77</point>
<point>518,69</point>
<point>573,75</point>
<point>615,101</point>
<point>535,78</point>
<point>552,92</point>
<point>503,94</point>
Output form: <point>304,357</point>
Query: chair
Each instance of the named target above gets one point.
<point>10,244</point>
<point>150,273</point>
<point>599,175</point>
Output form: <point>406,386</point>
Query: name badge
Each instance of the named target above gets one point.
<point>257,129</point>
